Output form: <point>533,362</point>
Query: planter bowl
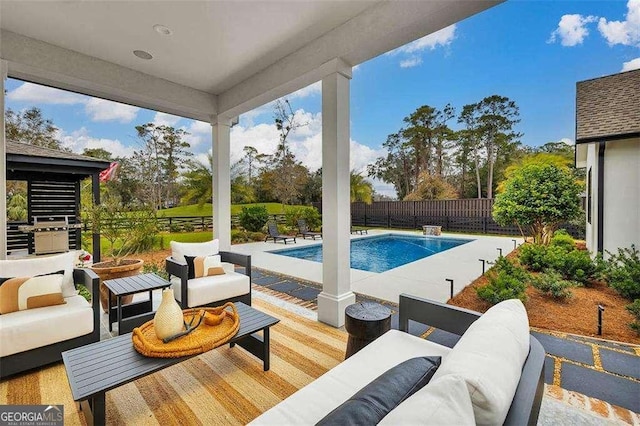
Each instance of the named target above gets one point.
<point>109,271</point>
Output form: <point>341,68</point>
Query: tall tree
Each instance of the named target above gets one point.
<point>470,137</point>
<point>397,167</point>
<point>100,153</point>
<point>497,117</point>
<point>163,154</point>
<point>290,175</point>
<point>29,126</point>
<point>198,182</point>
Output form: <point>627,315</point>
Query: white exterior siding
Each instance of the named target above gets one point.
<point>621,194</point>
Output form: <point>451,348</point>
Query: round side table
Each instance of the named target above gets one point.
<point>365,322</point>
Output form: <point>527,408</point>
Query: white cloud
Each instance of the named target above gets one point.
<point>97,109</point>
<point>411,62</point>
<point>102,110</point>
<point>35,93</point>
<point>572,29</point>
<point>440,38</point>
<point>305,142</point>
<point>625,32</point>
<point>80,139</point>
<point>567,141</point>
<point>310,90</point>
<point>633,64</point>
<point>163,119</point>
<point>412,51</point>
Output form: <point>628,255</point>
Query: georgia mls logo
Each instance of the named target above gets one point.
<point>31,415</point>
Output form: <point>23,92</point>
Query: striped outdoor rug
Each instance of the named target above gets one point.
<point>223,386</point>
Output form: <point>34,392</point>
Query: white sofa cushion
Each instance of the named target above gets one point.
<point>316,400</point>
<point>202,291</point>
<point>490,356</point>
<point>43,265</point>
<point>179,250</point>
<point>444,401</point>
<point>34,328</point>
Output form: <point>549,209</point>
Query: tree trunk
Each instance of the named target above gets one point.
<point>490,181</point>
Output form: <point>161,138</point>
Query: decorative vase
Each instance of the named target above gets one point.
<point>168,320</point>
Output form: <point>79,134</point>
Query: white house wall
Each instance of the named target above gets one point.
<point>622,194</point>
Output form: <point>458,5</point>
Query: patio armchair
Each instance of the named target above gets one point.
<point>37,336</point>
<point>305,232</point>
<point>275,235</point>
<point>201,275</point>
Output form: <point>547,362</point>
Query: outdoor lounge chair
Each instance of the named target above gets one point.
<point>359,230</point>
<point>303,230</point>
<point>273,233</point>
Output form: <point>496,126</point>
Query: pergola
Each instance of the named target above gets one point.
<point>215,60</point>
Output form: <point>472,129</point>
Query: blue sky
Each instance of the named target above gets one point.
<point>533,52</point>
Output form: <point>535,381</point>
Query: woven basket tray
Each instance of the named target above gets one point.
<point>202,339</point>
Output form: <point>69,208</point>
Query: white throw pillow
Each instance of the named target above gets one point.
<point>444,401</point>
<point>43,265</point>
<point>179,250</point>
<point>490,356</point>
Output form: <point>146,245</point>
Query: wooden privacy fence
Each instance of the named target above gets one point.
<point>465,215</point>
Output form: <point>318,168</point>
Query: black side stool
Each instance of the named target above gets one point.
<point>365,322</point>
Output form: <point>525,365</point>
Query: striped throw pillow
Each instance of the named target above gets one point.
<point>204,266</point>
<point>20,293</point>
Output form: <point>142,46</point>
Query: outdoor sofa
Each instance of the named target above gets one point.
<point>213,290</point>
<point>35,337</point>
<point>493,375</point>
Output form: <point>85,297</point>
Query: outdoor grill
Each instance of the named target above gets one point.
<point>50,233</point>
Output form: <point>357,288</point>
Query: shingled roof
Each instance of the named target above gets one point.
<point>19,148</point>
<point>608,107</point>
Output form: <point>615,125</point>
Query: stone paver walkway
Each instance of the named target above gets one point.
<point>608,371</point>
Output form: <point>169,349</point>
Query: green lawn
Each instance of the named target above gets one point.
<point>206,209</point>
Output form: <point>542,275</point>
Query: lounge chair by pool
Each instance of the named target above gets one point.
<point>275,235</point>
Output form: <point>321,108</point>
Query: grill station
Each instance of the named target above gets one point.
<point>50,233</point>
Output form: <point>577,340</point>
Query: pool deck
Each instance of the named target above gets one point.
<point>424,278</point>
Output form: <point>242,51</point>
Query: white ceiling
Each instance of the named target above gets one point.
<point>224,57</point>
<point>214,46</point>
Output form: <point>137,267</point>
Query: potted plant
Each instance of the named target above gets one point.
<point>127,231</point>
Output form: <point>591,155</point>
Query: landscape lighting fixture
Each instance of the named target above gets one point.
<point>143,55</point>
<point>161,29</point>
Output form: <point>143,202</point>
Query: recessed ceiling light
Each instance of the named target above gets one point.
<point>142,54</point>
<point>161,29</point>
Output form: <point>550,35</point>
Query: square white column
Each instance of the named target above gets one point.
<point>221,130</point>
<point>3,167</point>
<point>336,201</point>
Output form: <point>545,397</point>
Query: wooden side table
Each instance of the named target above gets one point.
<point>365,322</point>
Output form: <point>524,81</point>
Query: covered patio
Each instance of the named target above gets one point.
<point>212,61</point>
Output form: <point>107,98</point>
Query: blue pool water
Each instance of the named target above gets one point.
<point>381,253</point>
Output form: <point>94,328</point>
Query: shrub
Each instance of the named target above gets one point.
<point>310,215</point>
<point>174,227</point>
<point>253,218</point>
<point>634,308</point>
<point>188,227</point>
<point>156,269</point>
<point>562,239</point>
<point>578,266</point>
<point>622,271</point>
<point>533,256</point>
<point>506,281</point>
<point>552,284</point>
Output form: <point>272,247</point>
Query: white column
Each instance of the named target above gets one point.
<point>336,204</point>
<point>3,167</point>
<point>222,181</point>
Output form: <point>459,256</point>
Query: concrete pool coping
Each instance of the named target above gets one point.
<point>424,278</point>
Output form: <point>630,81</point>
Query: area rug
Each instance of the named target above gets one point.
<point>223,386</point>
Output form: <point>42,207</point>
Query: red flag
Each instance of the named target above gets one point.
<point>109,173</point>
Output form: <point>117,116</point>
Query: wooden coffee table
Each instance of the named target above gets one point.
<point>94,369</point>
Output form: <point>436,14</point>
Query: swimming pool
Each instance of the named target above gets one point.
<point>383,252</point>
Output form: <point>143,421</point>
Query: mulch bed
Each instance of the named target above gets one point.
<point>578,315</point>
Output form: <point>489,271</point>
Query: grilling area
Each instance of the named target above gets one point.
<point>53,223</point>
